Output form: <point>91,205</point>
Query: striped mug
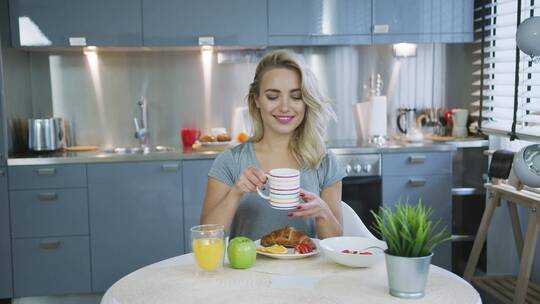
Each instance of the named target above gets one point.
<point>284,188</point>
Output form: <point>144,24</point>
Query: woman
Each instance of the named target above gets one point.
<point>289,118</point>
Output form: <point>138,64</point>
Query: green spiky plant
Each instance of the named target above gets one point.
<point>408,231</point>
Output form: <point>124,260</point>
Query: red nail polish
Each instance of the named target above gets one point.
<point>298,207</point>
<point>289,214</point>
<point>302,194</point>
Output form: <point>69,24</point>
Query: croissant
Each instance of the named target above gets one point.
<point>287,237</point>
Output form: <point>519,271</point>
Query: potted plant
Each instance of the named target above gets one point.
<point>411,237</point>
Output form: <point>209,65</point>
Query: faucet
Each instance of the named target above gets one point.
<point>141,130</point>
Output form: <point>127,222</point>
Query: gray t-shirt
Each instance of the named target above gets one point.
<point>254,217</point>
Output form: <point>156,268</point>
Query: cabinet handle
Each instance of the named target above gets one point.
<point>381,28</point>
<point>77,41</point>
<point>46,171</point>
<point>462,238</point>
<point>48,196</point>
<point>417,182</point>
<point>2,172</point>
<point>169,167</point>
<point>49,244</point>
<point>417,159</point>
<point>320,35</point>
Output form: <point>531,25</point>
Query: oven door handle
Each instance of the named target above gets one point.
<point>416,182</point>
<point>360,180</point>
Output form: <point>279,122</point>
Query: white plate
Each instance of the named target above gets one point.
<point>291,255</point>
<point>215,143</point>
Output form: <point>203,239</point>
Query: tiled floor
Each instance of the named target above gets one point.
<point>70,299</point>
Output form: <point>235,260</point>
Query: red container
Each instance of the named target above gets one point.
<point>189,136</point>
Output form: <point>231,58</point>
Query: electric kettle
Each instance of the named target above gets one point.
<point>47,134</point>
<point>406,119</point>
<point>406,123</point>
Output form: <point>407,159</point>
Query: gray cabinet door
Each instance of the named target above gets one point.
<point>47,177</point>
<point>451,21</point>
<point>3,118</point>
<point>435,191</point>
<point>181,23</point>
<point>49,212</point>
<point>6,290</point>
<point>195,178</point>
<point>419,163</point>
<point>36,23</point>
<point>319,22</point>
<point>59,265</point>
<point>135,217</point>
<point>422,21</point>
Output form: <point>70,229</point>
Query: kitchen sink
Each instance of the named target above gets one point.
<point>138,150</point>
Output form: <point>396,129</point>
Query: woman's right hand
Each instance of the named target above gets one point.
<point>251,179</point>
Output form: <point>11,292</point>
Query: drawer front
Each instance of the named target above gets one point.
<point>42,177</point>
<point>6,289</point>
<point>51,266</point>
<point>49,212</point>
<point>436,192</point>
<point>417,163</point>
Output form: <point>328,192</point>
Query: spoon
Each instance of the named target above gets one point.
<point>370,247</point>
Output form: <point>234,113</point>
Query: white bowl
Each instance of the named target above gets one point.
<point>333,247</point>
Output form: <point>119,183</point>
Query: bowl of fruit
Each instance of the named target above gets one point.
<point>354,251</point>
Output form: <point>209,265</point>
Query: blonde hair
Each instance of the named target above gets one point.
<point>307,143</point>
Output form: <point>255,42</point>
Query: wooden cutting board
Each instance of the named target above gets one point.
<point>451,138</point>
<point>81,148</point>
<point>439,138</point>
<point>197,147</point>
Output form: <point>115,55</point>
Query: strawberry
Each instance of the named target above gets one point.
<point>302,249</point>
<point>356,252</point>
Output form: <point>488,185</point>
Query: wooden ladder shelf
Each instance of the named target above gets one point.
<point>509,289</point>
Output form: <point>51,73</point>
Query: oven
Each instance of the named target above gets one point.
<point>362,187</point>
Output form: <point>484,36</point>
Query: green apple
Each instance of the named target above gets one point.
<point>241,252</point>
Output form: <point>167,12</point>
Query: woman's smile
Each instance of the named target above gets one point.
<point>284,119</point>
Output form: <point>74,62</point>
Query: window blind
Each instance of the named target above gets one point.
<point>496,89</point>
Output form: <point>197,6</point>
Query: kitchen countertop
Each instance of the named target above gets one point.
<point>338,147</point>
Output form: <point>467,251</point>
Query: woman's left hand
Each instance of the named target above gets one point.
<point>313,207</point>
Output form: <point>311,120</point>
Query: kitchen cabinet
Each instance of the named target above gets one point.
<point>49,266</point>
<point>49,230</point>
<point>3,118</point>
<point>319,22</point>
<point>422,21</point>
<point>44,176</point>
<point>136,217</point>
<point>6,290</point>
<point>181,23</point>
<point>195,177</point>
<point>49,212</point>
<point>65,23</point>
<point>408,177</point>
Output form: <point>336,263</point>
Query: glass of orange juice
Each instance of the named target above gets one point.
<point>208,243</point>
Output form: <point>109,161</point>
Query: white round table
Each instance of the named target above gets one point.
<point>310,280</point>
